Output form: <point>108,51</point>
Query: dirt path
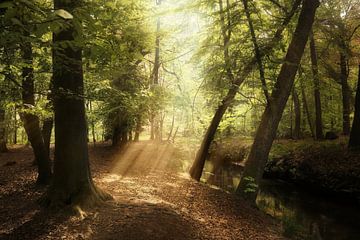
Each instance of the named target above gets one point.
<point>152,201</point>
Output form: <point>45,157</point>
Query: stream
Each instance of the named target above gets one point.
<point>315,215</point>
<point>310,215</point>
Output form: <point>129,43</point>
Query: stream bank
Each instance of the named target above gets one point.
<point>325,166</point>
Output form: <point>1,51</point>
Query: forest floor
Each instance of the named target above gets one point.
<point>152,200</point>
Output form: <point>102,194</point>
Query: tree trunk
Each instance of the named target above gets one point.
<point>315,71</point>
<point>354,141</point>
<point>198,165</point>
<point>266,132</point>
<point>199,162</point>
<point>3,147</point>
<point>137,129</point>
<point>72,183</point>
<point>152,127</point>
<point>92,125</point>
<point>155,126</point>
<point>345,92</point>
<point>306,108</point>
<point>46,134</point>
<point>257,51</point>
<point>172,127</point>
<point>15,127</point>
<point>31,121</point>
<point>48,122</point>
<point>175,134</point>
<point>297,110</point>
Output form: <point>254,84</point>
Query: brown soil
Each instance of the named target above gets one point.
<point>152,200</point>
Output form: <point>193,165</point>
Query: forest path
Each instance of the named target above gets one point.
<point>151,201</point>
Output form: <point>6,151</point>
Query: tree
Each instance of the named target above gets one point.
<point>305,106</point>
<point>315,72</point>
<point>72,182</point>
<point>346,93</point>
<point>31,121</point>
<point>271,117</point>
<point>3,147</point>
<point>297,110</point>
<point>156,130</point>
<point>354,141</point>
<point>199,162</point>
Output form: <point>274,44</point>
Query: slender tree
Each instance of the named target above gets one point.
<point>297,110</point>
<point>31,120</point>
<point>346,94</point>
<point>315,71</point>
<point>3,147</point>
<point>266,131</point>
<point>199,162</point>
<point>305,106</point>
<point>155,116</point>
<point>354,141</point>
<point>257,51</point>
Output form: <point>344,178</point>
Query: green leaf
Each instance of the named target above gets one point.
<point>16,21</point>
<point>6,4</point>
<point>64,14</point>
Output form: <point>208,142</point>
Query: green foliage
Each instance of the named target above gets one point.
<point>291,229</point>
<point>251,186</point>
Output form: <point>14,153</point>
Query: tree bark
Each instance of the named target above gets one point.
<point>155,126</point>
<point>3,147</point>
<point>306,108</point>
<point>266,131</point>
<point>15,127</point>
<point>345,92</point>
<point>354,141</point>
<point>198,165</point>
<point>137,129</point>
<point>172,127</point>
<point>46,134</point>
<point>297,110</point>
<point>315,71</point>
<point>48,123</point>
<point>31,121</point>
<point>72,183</point>
<point>199,162</point>
<point>257,51</point>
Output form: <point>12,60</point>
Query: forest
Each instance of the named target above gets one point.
<point>192,119</point>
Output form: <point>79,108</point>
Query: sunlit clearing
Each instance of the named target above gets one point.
<point>142,158</point>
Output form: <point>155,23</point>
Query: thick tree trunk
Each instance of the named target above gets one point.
<point>315,71</point>
<point>345,93</point>
<point>297,110</point>
<point>354,142</point>
<point>3,141</point>
<point>266,131</point>
<point>31,121</point>
<point>199,162</point>
<point>72,183</point>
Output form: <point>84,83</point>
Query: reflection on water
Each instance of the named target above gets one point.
<point>317,216</point>
<point>304,215</point>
